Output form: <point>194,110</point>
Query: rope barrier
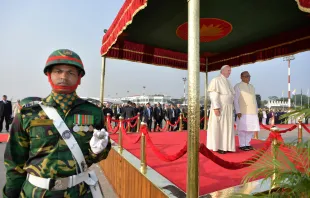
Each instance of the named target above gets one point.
<point>305,127</point>
<point>160,155</point>
<point>110,129</point>
<point>205,151</point>
<point>239,165</point>
<point>282,131</point>
<point>202,119</point>
<point>175,124</point>
<point>129,138</point>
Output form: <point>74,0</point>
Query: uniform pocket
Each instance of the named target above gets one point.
<point>42,129</point>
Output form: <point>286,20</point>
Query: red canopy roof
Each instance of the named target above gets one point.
<point>233,33</point>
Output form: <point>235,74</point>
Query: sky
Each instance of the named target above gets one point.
<point>32,29</point>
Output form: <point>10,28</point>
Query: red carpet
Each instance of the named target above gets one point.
<point>4,137</point>
<point>212,177</point>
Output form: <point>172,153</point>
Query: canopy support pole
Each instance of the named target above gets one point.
<point>193,98</point>
<point>102,80</point>
<point>206,98</point>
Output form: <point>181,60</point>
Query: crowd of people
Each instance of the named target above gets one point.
<point>153,115</point>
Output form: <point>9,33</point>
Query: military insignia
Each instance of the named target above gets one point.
<point>81,128</point>
<point>42,115</point>
<point>83,119</point>
<point>67,52</point>
<point>85,129</point>
<point>76,128</point>
<point>66,134</point>
<point>91,128</point>
<point>40,122</point>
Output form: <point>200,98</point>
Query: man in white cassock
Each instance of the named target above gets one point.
<point>247,112</point>
<point>220,134</point>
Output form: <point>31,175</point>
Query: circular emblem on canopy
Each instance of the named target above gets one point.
<point>211,29</point>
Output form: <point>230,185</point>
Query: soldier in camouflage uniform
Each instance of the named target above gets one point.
<point>35,147</point>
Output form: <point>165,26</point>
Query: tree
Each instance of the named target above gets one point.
<point>273,98</point>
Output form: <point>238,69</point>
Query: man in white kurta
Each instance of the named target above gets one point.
<point>264,117</point>
<point>247,112</point>
<point>220,134</point>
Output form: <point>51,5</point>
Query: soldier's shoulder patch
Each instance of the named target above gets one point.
<point>30,108</point>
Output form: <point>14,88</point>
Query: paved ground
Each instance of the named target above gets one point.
<point>106,187</point>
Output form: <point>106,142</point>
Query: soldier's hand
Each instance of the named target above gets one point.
<point>217,112</point>
<point>99,141</point>
<point>239,115</point>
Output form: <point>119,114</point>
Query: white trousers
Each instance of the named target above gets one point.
<point>245,138</point>
<point>264,121</point>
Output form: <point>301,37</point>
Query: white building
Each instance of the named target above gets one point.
<point>276,104</point>
<point>152,99</point>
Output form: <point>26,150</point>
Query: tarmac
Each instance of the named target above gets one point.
<point>105,185</point>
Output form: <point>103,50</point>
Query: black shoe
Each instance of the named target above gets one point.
<point>250,148</point>
<point>244,148</point>
<point>221,152</point>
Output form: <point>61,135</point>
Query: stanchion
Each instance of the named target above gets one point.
<point>168,127</point>
<point>256,135</point>
<point>181,122</point>
<point>106,120</point>
<point>274,156</point>
<point>138,122</point>
<point>120,135</point>
<point>299,131</point>
<point>143,153</point>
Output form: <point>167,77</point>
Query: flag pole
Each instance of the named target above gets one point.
<point>288,59</point>
<point>282,100</point>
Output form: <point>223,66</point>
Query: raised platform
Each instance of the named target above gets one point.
<point>169,178</point>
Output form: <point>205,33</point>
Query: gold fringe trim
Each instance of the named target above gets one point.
<point>135,61</point>
<point>304,9</point>
<point>126,25</point>
<point>268,48</point>
<point>157,56</point>
<point>174,67</point>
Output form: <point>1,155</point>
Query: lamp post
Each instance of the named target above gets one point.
<point>144,90</point>
<point>184,79</point>
<point>288,59</point>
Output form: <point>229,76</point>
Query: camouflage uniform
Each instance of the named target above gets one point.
<point>36,147</point>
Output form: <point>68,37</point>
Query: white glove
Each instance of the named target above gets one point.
<point>99,141</point>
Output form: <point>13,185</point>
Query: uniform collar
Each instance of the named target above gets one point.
<point>49,101</point>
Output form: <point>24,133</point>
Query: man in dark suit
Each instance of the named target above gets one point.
<point>172,116</point>
<point>129,112</point>
<point>5,113</point>
<point>147,116</point>
<point>158,115</point>
<point>107,110</point>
